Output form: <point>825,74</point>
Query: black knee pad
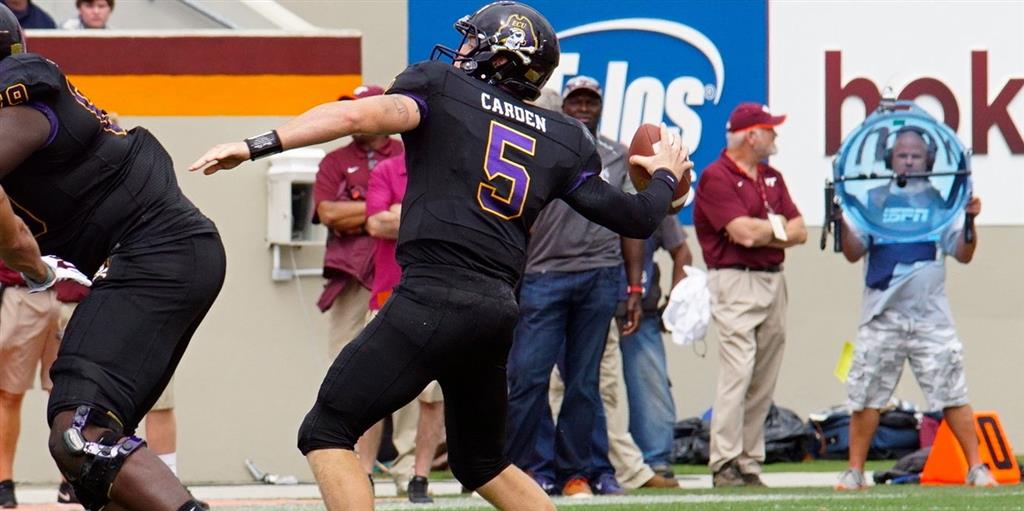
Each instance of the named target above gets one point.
<point>91,466</point>
<point>324,429</point>
<point>474,473</point>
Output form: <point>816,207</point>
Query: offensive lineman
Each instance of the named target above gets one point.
<point>95,194</point>
<point>482,164</point>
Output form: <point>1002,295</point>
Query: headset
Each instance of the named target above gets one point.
<point>932,147</point>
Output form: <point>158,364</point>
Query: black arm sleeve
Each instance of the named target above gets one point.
<point>633,216</point>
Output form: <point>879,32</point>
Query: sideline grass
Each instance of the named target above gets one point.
<point>886,498</point>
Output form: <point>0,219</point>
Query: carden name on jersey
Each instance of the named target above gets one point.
<point>512,111</point>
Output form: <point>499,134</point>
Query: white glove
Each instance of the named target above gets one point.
<point>57,270</point>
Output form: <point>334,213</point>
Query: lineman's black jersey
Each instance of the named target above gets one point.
<point>482,165</point>
<point>93,185</point>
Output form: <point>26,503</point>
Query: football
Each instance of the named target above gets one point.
<point>645,143</point>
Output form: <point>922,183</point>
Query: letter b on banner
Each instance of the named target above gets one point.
<point>947,464</point>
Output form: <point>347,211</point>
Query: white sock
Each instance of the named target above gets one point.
<point>171,460</point>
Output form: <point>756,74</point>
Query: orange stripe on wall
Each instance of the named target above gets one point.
<point>199,95</point>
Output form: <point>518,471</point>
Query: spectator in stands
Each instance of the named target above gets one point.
<point>745,219</point>
<point>567,300</point>
<point>94,14</point>
<point>28,340</point>
<point>905,315</point>
<point>340,204</point>
<point>652,412</point>
<point>383,213</point>
<point>30,15</point>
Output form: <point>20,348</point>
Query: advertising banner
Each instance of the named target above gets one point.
<point>963,62</point>
<point>686,64</point>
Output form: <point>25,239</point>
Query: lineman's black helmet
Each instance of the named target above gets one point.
<point>12,41</point>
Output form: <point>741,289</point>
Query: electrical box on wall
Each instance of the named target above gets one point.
<point>290,181</point>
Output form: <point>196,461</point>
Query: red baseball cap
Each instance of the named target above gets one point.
<point>363,91</point>
<point>752,115</point>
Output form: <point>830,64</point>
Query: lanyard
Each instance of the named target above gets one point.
<point>762,189</point>
<point>758,184</point>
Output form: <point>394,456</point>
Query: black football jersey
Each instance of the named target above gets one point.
<point>481,164</point>
<point>93,185</point>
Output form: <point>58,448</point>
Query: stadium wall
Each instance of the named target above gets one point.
<point>255,364</point>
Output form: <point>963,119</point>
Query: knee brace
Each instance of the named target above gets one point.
<point>97,462</point>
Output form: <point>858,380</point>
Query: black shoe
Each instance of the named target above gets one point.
<point>418,491</point>
<point>66,494</point>
<point>727,477</point>
<point>753,480</point>
<point>7,500</point>
<point>200,503</point>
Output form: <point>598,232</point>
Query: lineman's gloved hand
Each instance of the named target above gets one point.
<point>57,270</point>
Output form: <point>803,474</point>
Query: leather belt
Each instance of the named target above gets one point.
<point>767,269</point>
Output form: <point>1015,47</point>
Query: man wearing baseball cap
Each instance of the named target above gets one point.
<point>745,219</point>
<point>568,297</point>
<point>340,204</point>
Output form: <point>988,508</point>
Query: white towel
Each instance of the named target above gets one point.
<point>689,308</point>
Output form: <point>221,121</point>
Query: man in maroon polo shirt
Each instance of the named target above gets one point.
<point>340,202</point>
<point>745,220</point>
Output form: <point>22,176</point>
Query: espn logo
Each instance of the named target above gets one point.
<point>905,215</point>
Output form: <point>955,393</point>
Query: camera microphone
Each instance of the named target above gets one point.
<point>901,180</point>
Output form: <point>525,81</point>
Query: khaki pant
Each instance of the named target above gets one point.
<point>346,317</point>
<point>28,338</point>
<point>749,309</point>
<point>624,454</point>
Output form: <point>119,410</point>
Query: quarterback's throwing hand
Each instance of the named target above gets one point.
<point>223,156</point>
<point>57,270</point>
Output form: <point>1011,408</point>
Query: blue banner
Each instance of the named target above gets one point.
<point>684,63</point>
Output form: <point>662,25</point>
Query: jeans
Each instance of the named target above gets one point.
<point>558,310</point>
<point>652,412</point>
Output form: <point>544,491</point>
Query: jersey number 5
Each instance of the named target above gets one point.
<point>508,202</point>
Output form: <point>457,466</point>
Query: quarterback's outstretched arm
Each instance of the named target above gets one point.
<point>633,216</point>
<point>379,115</point>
